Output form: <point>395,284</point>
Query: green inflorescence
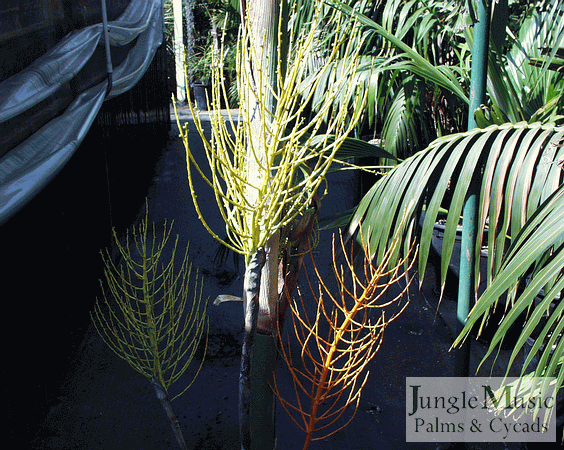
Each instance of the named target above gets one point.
<point>152,316</point>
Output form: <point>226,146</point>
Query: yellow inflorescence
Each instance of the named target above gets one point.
<point>265,176</point>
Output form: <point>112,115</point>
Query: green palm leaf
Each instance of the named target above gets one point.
<point>538,246</point>
<point>410,59</point>
<point>521,200</point>
<point>403,129</point>
<point>514,163</point>
<point>521,203</point>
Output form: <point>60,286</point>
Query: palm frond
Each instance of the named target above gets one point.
<point>403,132</point>
<point>536,255</point>
<point>516,165</point>
<point>520,203</point>
<point>411,60</point>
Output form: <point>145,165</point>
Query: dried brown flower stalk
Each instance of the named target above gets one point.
<point>337,345</point>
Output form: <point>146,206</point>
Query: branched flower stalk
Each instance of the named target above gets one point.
<point>264,177</point>
<point>153,316</point>
<point>340,341</point>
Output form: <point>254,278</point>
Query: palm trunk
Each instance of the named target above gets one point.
<point>190,40</point>
<point>179,51</point>
<point>258,416</point>
<point>246,391</point>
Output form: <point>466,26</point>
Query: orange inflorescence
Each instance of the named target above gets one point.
<point>340,341</point>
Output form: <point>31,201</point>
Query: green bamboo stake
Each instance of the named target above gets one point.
<point>466,281</point>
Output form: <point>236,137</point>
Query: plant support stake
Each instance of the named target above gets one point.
<point>466,282</point>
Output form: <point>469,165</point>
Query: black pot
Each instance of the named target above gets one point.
<point>201,95</point>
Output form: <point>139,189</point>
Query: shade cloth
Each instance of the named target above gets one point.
<point>28,167</point>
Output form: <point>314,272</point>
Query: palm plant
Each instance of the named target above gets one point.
<point>520,206</point>
<point>267,166</point>
<point>406,102</point>
<point>416,66</point>
<point>408,111</point>
<point>521,84</point>
<point>261,192</point>
<point>517,166</point>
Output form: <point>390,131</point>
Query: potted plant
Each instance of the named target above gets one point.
<point>200,71</point>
